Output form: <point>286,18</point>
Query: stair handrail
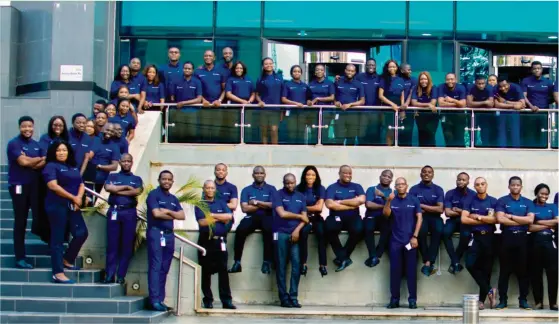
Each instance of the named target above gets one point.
<point>180,238</point>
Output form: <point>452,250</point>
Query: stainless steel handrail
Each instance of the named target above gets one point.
<point>180,238</point>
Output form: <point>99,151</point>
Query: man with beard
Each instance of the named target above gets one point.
<point>349,93</point>
<point>171,72</point>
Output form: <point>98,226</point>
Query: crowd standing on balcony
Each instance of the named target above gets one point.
<point>49,177</point>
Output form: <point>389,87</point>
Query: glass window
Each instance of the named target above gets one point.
<point>246,50</point>
<point>166,18</point>
<point>473,61</point>
<point>434,57</point>
<point>238,18</point>
<point>154,51</point>
<point>334,19</point>
<point>431,19</point>
<point>538,24</point>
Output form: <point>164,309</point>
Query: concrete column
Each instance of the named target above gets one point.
<point>9,36</point>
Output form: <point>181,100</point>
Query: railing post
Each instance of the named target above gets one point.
<point>167,111</point>
<point>473,130</point>
<point>178,312</point>
<point>396,128</point>
<point>242,123</point>
<point>549,130</point>
<point>470,309</point>
<point>319,139</point>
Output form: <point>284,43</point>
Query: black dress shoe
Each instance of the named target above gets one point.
<point>108,280</point>
<point>304,270</point>
<point>236,267</point>
<point>346,263</point>
<point>323,271</point>
<point>286,304</point>
<point>413,304</point>
<point>337,262</point>
<point>22,264</point>
<point>208,305</point>
<point>265,267</point>
<point>393,305</point>
<point>167,307</point>
<point>295,303</point>
<point>121,281</point>
<point>553,307</point>
<point>228,305</point>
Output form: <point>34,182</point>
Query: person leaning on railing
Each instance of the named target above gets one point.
<point>295,92</point>
<point>481,96</point>
<point>453,95</point>
<point>268,92</point>
<point>425,95</point>
<point>391,93</point>
<point>349,93</point>
<point>508,96</point>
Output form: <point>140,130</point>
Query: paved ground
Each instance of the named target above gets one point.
<point>245,320</point>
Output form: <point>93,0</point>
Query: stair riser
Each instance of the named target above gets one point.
<point>47,318</point>
<point>5,194</point>
<point>37,249</point>
<point>8,261</point>
<point>45,275</point>
<point>8,233</point>
<point>9,223</point>
<point>5,203</point>
<point>73,306</point>
<point>8,213</point>
<point>63,291</point>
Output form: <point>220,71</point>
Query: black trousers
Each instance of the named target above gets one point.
<point>372,224</point>
<point>352,224</point>
<point>22,202</point>
<point>453,124</point>
<point>247,226</point>
<point>317,225</point>
<point>427,124</point>
<point>451,226</point>
<point>405,135</point>
<point>543,251</point>
<point>513,258</point>
<point>215,261</point>
<point>479,261</point>
<point>431,224</point>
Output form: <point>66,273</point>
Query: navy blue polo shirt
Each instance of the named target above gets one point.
<point>170,74</point>
<point>185,90</point>
<point>397,86</point>
<point>226,191</point>
<point>476,205</point>
<point>556,199</point>
<point>370,84</point>
<point>514,94</point>
<point>539,92</point>
<point>349,91</point>
<point>269,88</point>
<point>555,86</point>
<point>157,198</point>
<point>211,82</point>
<point>18,175</point>
<point>45,141</point>
<point>216,206</point>
<point>296,91</point>
<point>139,79</point>
<point>458,93</point>
<point>481,95</point>
<point>293,202</point>
<point>425,98</point>
<point>429,195</point>
<point>133,87</point>
<point>321,89</point>
<point>372,197</point>
<point>240,87</point>
<point>81,144</point>
<point>122,144</point>
<point>127,122</point>
<point>312,196</point>
<point>455,198</point>
<point>123,179</point>
<point>263,193</point>
<point>404,211</point>
<point>154,93</point>
<point>520,207</point>
<point>225,69</point>
<point>343,191</point>
<point>545,212</point>
<point>105,151</point>
<point>409,84</point>
<point>68,177</point>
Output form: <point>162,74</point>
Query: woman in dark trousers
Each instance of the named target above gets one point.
<point>295,92</point>
<point>425,95</point>
<point>313,190</point>
<point>391,93</point>
<point>153,92</point>
<point>543,248</point>
<point>268,93</point>
<point>63,202</point>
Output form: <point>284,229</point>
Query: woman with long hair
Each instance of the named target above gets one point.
<point>154,91</point>
<point>268,93</point>
<point>239,87</point>
<point>543,250</point>
<point>125,120</point>
<point>63,202</point>
<point>110,110</point>
<point>315,193</point>
<point>122,78</point>
<point>492,80</point>
<point>57,130</point>
<point>124,93</point>
<point>425,95</point>
<point>296,92</point>
<point>391,93</point>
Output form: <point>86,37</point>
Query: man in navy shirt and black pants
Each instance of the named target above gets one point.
<point>213,237</point>
<point>509,96</point>
<point>290,216</point>
<point>349,93</point>
<point>405,212</point>
<point>538,94</point>
<point>481,96</point>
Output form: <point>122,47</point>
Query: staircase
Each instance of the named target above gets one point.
<point>29,296</point>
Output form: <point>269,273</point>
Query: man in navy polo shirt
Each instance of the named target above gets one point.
<point>213,237</point>
<point>343,199</point>
<point>24,163</point>
<point>136,75</point>
<point>478,212</point>
<point>431,197</point>
<point>404,210</point>
<point>226,191</point>
<point>187,90</point>
<point>162,209</point>
<point>227,63</point>
<point>453,95</point>
<point>453,204</point>
<point>81,143</point>
<point>371,122</point>
<point>349,93</point>
<point>509,96</point>
<point>481,96</point>
<point>256,202</point>
<point>538,94</point>
<point>515,213</point>
<point>290,216</point>
<point>172,71</point>
<point>409,83</point>
<point>375,199</point>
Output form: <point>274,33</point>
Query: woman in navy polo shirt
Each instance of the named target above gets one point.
<point>57,130</point>
<point>125,119</point>
<point>268,93</point>
<point>110,110</point>
<point>63,202</point>
<point>90,127</point>
<point>391,93</point>
<point>124,93</point>
<point>543,249</point>
<point>492,80</point>
<point>239,87</point>
<point>154,90</point>
<point>122,78</point>
<point>425,95</point>
<point>105,158</point>
<point>296,92</point>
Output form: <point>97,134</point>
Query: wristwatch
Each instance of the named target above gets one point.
<point>415,237</point>
<point>255,203</point>
<point>510,217</point>
<point>478,218</point>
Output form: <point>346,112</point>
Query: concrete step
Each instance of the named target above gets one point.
<point>40,289</point>
<point>8,213</point>
<point>31,247</point>
<point>5,194</point>
<point>44,275</point>
<point>438,314</point>
<point>3,168</point>
<point>9,223</point>
<point>4,184</point>
<point>6,203</point>
<point>116,305</point>
<point>141,317</point>
<point>38,261</point>
<point>8,233</point>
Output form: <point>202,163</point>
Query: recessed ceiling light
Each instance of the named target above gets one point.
<point>207,40</point>
<point>552,37</point>
<point>426,34</point>
<point>302,33</point>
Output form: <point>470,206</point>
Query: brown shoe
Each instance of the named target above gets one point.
<point>481,306</point>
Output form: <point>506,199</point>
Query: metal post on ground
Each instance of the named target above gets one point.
<point>470,309</point>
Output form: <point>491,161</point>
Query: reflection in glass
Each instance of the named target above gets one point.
<point>238,18</point>
<point>473,61</point>
<point>433,56</point>
<point>503,129</point>
<point>356,126</point>
<point>429,19</point>
<point>154,51</point>
<point>204,125</point>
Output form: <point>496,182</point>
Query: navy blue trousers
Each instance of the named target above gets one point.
<point>120,241</point>
<point>286,251</point>
<point>451,226</point>
<point>370,225</point>
<point>59,216</point>
<point>159,262</point>
<point>354,227</point>
<point>509,129</point>
<point>29,198</point>
<point>431,224</point>
<point>319,231</point>
<point>400,257</point>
